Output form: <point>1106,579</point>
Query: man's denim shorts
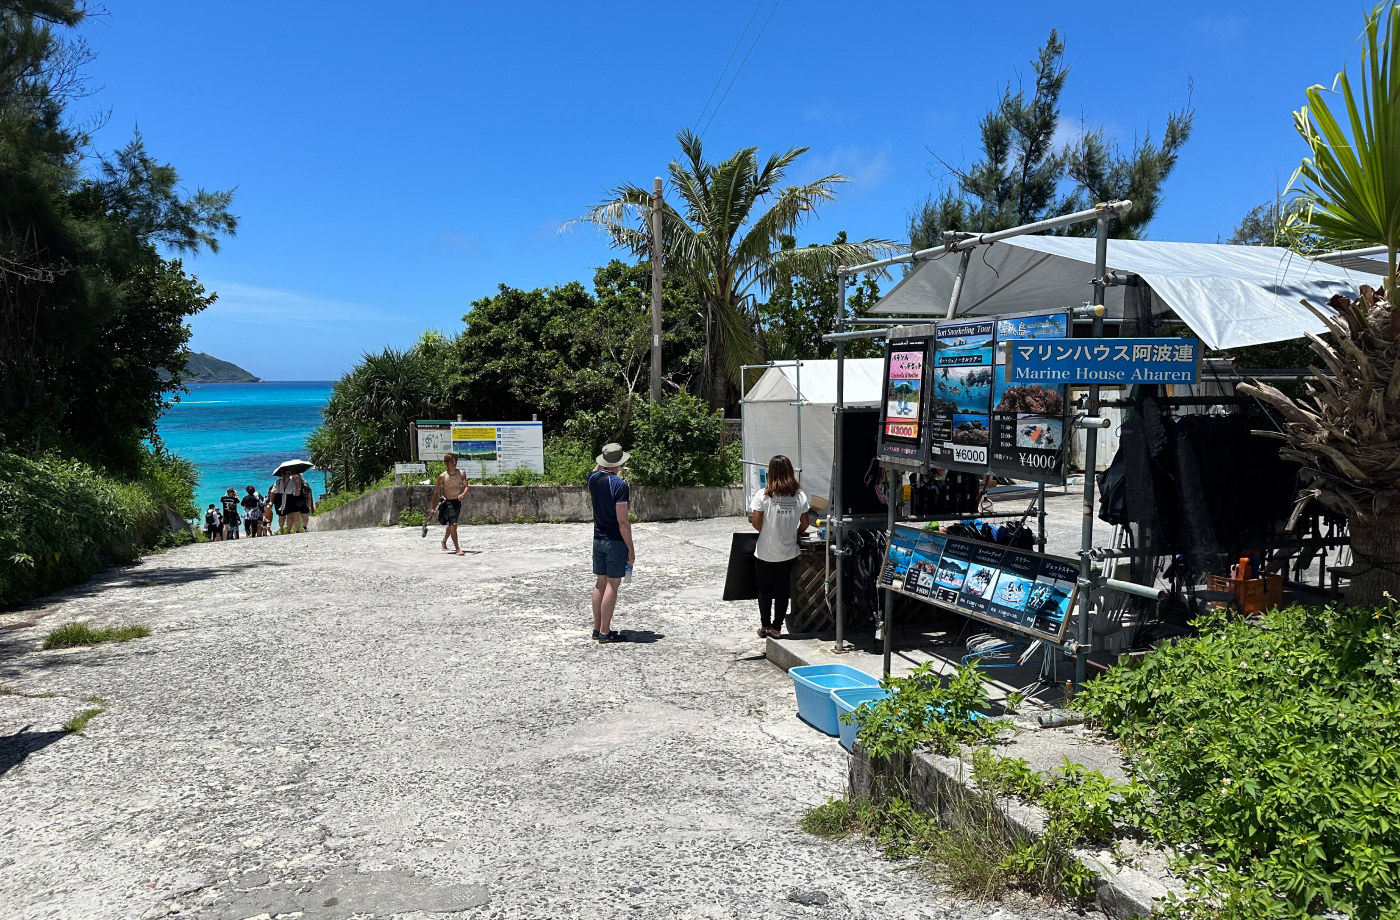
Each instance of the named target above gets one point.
<point>609,558</point>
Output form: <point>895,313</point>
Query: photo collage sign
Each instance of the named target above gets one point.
<point>1027,592</point>
<point>902,437</point>
<point>959,418</point>
<point>1028,419</point>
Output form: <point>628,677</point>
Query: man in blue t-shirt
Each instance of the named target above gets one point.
<point>612,537</point>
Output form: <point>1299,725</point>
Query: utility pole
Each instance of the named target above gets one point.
<point>656,251</point>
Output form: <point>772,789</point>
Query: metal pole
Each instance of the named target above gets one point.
<point>1091,451</point>
<point>413,441</point>
<point>892,484</point>
<point>958,283</point>
<point>1040,531</point>
<point>656,258</point>
<point>799,418</point>
<point>972,240</point>
<point>835,517</point>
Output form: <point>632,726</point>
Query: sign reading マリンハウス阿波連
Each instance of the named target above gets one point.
<point>1121,362</point>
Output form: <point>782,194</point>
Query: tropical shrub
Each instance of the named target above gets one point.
<point>677,442</point>
<point>922,710</point>
<point>61,520</point>
<point>1276,747</point>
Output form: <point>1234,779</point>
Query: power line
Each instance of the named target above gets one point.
<point>720,78</point>
<point>741,67</point>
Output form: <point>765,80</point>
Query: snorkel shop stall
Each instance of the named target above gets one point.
<point>986,386</point>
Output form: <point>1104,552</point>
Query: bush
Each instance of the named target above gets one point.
<point>60,520</point>
<point>677,443</point>
<point>921,710</point>
<point>1277,747</point>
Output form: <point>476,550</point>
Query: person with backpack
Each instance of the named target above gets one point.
<point>780,515</point>
<point>213,524</point>
<point>230,514</point>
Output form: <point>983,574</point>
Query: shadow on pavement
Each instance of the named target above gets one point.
<point>136,576</point>
<point>641,636</point>
<point>14,748</point>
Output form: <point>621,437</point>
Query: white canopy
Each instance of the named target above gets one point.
<point>770,417</point>
<point>1229,295</point>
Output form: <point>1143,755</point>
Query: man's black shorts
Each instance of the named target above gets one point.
<point>449,511</point>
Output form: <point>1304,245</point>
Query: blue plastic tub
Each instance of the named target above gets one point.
<point>850,700</point>
<point>813,684</point>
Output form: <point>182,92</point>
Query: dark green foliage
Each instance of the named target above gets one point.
<point>921,710</point>
<point>676,442</point>
<point>802,308</point>
<point>1277,746</point>
<point>60,519</point>
<point>1022,177</point>
<point>370,409</point>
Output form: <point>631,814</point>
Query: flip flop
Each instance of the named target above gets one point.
<point>460,553</point>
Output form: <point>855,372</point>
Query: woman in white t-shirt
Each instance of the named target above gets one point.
<point>779,514</point>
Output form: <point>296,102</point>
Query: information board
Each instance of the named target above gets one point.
<point>1027,592</point>
<point>1028,419</point>
<point>959,416</point>
<point>484,449</point>
<point>903,440</point>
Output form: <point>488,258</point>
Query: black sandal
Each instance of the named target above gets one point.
<point>613,636</point>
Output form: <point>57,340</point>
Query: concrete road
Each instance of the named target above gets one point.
<point>355,725</point>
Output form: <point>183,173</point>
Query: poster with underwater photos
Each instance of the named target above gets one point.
<point>923,564</point>
<point>960,401</point>
<point>901,426</point>
<point>1018,590</point>
<point>898,557</point>
<point>1028,420</point>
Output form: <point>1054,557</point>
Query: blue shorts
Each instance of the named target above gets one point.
<point>609,558</point>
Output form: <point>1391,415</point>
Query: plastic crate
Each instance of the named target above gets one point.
<point>850,700</point>
<point>813,684</point>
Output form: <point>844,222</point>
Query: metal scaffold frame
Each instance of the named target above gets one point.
<point>964,244</point>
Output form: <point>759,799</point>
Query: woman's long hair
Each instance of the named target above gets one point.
<point>782,481</point>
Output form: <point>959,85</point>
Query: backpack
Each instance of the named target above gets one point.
<point>211,518</point>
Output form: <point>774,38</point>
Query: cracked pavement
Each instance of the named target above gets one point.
<point>354,725</point>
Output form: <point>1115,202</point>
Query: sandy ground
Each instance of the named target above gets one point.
<point>355,725</point>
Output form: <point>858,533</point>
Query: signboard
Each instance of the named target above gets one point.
<point>1027,592</point>
<point>484,449</point>
<point>960,405</point>
<point>402,468</point>
<point>1121,362</point>
<point>1028,419</point>
<point>902,438</point>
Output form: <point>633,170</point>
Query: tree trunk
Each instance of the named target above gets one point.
<point>1375,548</point>
<point>719,376</point>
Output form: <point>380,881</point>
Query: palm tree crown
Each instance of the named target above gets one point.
<point>731,253</point>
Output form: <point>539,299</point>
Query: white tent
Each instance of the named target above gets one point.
<point>1229,295</point>
<point>770,417</point>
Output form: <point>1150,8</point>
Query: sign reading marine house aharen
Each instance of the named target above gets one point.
<point>1107,361</point>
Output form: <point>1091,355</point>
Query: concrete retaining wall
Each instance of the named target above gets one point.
<point>507,504</point>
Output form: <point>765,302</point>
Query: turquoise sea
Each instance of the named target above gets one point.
<point>237,433</point>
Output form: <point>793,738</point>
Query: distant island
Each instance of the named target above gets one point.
<point>202,368</point>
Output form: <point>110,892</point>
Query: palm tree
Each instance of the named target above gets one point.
<point>729,251</point>
<point>1346,431</point>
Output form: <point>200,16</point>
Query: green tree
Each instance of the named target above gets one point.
<point>1346,433</point>
<point>91,308</point>
<point>1023,177</point>
<point>727,244</point>
<point>802,309</point>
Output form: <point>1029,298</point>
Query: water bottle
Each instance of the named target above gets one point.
<point>627,573</point>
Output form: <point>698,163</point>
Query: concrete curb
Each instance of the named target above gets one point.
<point>1121,892</point>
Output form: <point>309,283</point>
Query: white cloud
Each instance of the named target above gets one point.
<point>1219,29</point>
<point>866,169</point>
<point>272,307</point>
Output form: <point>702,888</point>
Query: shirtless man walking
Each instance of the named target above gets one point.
<point>452,484</point>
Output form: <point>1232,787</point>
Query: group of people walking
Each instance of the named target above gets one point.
<point>251,514</point>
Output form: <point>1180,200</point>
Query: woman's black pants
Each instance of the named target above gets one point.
<point>774,587</point>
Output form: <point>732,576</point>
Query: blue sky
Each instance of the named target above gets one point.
<point>391,168</point>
